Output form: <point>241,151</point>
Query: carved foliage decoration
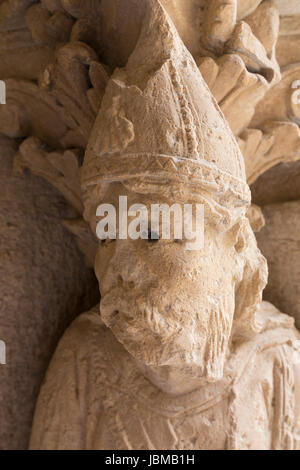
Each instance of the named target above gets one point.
<point>238,60</point>
<point>243,75</point>
<point>62,170</point>
<point>55,94</point>
<point>29,34</point>
<point>79,98</point>
<point>274,134</point>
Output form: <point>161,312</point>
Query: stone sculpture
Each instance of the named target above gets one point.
<point>57,57</point>
<point>185,355</point>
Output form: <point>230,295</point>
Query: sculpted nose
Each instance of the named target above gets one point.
<point>126,265</point>
<point>125,281</point>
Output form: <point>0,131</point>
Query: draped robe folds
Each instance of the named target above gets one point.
<point>94,397</point>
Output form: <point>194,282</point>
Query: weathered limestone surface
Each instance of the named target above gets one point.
<point>44,284</point>
<point>278,193</point>
<point>65,96</point>
<point>279,241</point>
<point>131,412</point>
<point>183,339</point>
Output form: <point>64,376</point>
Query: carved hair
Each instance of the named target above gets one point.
<point>254,279</point>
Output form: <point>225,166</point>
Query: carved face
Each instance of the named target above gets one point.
<point>167,305</point>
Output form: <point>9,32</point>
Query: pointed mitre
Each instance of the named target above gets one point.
<point>160,131</point>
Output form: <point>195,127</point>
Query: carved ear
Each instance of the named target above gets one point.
<point>237,237</point>
<point>256,220</point>
<point>249,290</point>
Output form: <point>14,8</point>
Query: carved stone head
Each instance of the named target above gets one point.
<point>161,138</point>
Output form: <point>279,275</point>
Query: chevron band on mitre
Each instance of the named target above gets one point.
<point>196,173</point>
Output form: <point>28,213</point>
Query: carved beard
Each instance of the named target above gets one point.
<point>173,335</point>
<point>219,332</point>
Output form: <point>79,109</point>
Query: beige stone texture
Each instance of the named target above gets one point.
<point>182,337</point>
<point>127,411</point>
<point>280,243</point>
<point>162,101</point>
<point>44,284</point>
